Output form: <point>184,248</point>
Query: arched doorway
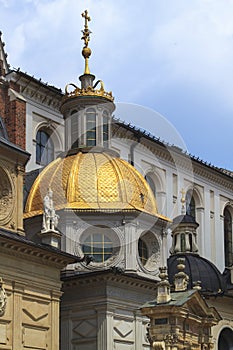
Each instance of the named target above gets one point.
<point>225,340</point>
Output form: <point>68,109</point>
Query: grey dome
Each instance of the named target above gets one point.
<point>185,219</point>
<point>198,269</point>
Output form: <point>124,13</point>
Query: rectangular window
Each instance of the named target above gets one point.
<point>105,131</point>
<point>91,128</point>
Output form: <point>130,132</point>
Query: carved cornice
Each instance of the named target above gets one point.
<point>29,251</point>
<point>34,89</point>
<point>43,98</point>
<point>107,276</point>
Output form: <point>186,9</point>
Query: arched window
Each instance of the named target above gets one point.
<point>91,127</point>
<point>105,129</point>
<point>228,237</point>
<point>142,251</point>
<point>190,204</point>
<point>98,245</point>
<point>44,148</point>
<point>225,340</point>
<point>151,183</point>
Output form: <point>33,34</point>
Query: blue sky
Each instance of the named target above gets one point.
<point>171,56</point>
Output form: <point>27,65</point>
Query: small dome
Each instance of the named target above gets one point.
<point>91,181</point>
<point>185,219</point>
<point>198,269</point>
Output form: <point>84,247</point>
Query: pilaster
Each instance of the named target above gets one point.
<point>18,291</point>
<point>131,247</point>
<point>55,301</point>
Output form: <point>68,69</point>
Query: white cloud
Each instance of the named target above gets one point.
<point>140,49</point>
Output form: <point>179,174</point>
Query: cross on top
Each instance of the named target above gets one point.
<point>86,32</point>
<point>87,18</point>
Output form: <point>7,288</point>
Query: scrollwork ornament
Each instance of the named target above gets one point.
<point>3,298</point>
<point>171,339</point>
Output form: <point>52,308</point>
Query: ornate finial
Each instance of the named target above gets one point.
<point>88,88</point>
<point>86,52</point>
<point>163,287</point>
<point>181,278</point>
<point>183,202</point>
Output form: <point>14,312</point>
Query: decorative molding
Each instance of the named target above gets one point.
<point>35,315</point>
<point>85,328</point>
<point>123,329</point>
<point>7,195</point>
<point>108,276</point>
<point>32,253</point>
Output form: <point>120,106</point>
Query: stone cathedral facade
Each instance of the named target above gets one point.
<point>91,208</point>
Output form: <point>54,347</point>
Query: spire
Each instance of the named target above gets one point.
<point>89,88</point>
<point>86,52</point>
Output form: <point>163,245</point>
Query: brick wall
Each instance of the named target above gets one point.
<point>13,112</point>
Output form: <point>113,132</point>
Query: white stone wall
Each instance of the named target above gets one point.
<point>38,117</point>
<point>210,197</point>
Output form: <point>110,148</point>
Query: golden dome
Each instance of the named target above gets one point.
<point>91,181</point>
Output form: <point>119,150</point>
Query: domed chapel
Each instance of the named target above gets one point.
<point>107,224</point>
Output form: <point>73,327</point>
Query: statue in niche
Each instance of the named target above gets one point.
<point>2,298</point>
<point>50,218</point>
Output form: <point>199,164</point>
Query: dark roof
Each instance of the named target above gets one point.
<point>185,219</point>
<point>198,269</point>
<point>6,143</point>
<point>139,132</point>
<point>177,299</point>
<point>37,81</point>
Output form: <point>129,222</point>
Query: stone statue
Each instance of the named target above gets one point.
<point>3,298</point>
<point>50,218</point>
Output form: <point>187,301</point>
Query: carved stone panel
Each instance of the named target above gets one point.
<point>6,197</point>
<point>3,334</point>
<point>35,313</point>
<point>3,298</point>
<point>35,338</point>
